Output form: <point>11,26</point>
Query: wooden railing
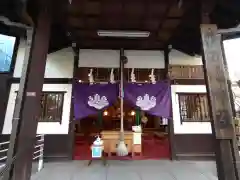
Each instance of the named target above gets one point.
<point>186,72</point>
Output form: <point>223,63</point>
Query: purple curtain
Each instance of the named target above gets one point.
<point>154,99</point>
<point>90,99</point>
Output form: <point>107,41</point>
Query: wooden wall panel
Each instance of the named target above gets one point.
<point>194,146</point>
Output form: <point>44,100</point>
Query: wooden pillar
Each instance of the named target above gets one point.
<point>170,122</point>
<point>27,109</point>
<point>166,61</point>
<point>220,107</point>
<point>72,119</point>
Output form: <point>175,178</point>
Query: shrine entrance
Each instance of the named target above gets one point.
<point>155,140</point>
<point>150,115</point>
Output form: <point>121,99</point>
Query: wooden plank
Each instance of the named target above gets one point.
<point>220,107</point>
<point>217,82</point>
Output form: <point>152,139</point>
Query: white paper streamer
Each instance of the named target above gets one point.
<point>152,77</point>
<point>112,76</point>
<point>164,121</point>
<point>133,78</point>
<point>90,77</point>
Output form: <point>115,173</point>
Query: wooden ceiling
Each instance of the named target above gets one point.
<point>170,22</point>
<point>161,18</point>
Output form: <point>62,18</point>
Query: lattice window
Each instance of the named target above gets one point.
<point>51,107</point>
<point>193,107</point>
<point>186,72</point>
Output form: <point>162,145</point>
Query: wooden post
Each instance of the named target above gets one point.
<point>71,132</point>
<point>170,121</point>
<point>220,107</point>
<point>166,61</point>
<point>25,119</point>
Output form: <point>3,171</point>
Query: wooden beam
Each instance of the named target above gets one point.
<point>206,9</point>
<point>126,44</point>
<point>229,31</point>
<point>219,100</point>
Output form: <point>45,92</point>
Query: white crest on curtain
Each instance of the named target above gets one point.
<point>133,78</point>
<point>98,102</point>
<point>90,77</point>
<point>146,102</point>
<point>152,77</point>
<point>112,80</point>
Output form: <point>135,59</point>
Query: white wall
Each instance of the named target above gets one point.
<point>236,96</point>
<point>187,127</point>
<point>232,53</point>
<point>145,59</point>
<point>110,58</point>
<point>136,58</point>
<point>98,58</point>
<point>179,58</point>
<point>43,127</point>
<point>59,64</point>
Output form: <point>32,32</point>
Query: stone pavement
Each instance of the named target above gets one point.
<point>129,170</point>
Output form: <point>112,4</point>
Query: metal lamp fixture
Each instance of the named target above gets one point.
<point>137,34</point>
